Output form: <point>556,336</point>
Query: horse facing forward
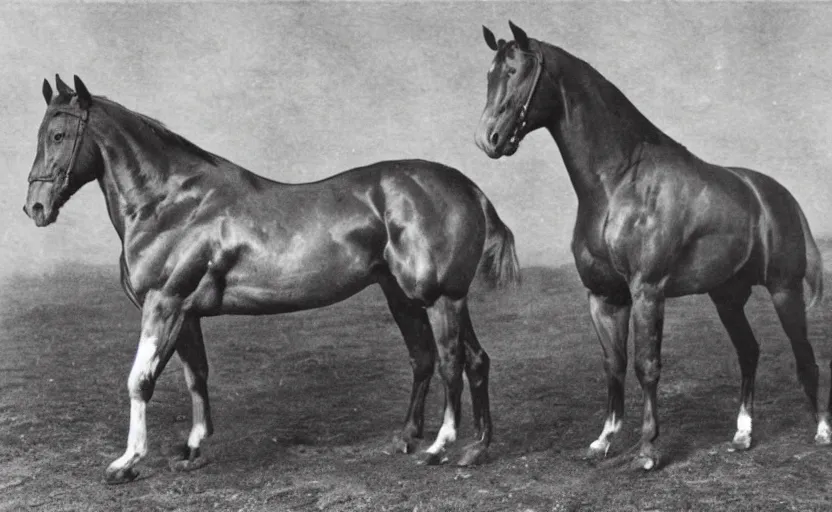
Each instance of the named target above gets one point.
<point>654,222</point>
<point>202,236</point>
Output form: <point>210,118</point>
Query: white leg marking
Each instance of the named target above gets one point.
<point>145,362</point>
<point>611,427</point>
<point>744,421</point>
<point>199,430</point>
<point>136,439</point>
<point>446,435</point>
<point>143,366</point>
<point>824,435</point>
<point>742,438</point>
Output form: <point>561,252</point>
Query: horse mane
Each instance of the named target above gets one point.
<point>164,133</point>
<point>614,99</point>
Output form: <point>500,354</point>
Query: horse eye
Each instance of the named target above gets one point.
<point>58,137</point>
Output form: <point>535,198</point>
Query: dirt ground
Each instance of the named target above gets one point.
<point>305,405</point>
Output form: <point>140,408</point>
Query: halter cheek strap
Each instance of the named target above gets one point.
<point>76,146</point>
<point>524,110</point>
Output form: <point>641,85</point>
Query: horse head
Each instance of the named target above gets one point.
<point>514,104</point>
<point>65,159</point>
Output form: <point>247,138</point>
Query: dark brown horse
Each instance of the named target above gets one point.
<point>202,237</point>
<point>654,222</point>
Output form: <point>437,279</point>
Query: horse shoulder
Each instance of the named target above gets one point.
<point>651,220</point>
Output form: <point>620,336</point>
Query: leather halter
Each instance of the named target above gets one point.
<point>522,120</point>
<point>76,146</point>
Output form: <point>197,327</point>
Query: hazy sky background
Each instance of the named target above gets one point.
<point>298,92</point>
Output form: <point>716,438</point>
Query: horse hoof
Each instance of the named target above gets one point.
<point>647,461</point>
<point>187,464</point>
<point>598,449</point>
<point>741,443</point>
<point>187,459</point>
<point>473,455</point>
<point>120,476</point>
<point>403,445</point>
<point>432,459</point>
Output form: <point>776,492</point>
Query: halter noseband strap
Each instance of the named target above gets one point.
<point>524,110</point>
<point>76,146</point>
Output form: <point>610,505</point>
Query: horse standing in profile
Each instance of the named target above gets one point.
<point>202,236</point>
<point>655,222</point>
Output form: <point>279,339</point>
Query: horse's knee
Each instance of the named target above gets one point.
<point>451,370</point>
<point>648,371</point>
<point>477,362</point>
<point>477,366</point>
<point>140,387</point>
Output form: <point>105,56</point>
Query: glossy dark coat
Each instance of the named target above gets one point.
<point>654,221</point>
<point>202,236</point>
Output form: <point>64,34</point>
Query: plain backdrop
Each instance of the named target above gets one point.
<point>298,91</point>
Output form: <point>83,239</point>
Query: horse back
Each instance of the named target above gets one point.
<point>688,224</point>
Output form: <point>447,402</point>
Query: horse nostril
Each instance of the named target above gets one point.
<point>495,138</point>
<point>37,208</point>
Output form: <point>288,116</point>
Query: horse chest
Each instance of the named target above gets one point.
<point>593,264</point>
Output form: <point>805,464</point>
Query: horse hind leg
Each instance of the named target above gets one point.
<point>477,366</point>
<point>788,302</point>
<point>730,305</point>
<point>413,323</point>
<point>444,316</point>
<point>191,351</point>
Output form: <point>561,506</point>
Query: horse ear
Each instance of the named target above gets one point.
<point>519,36</point>
<point>47,91</point>
<point>63,89</point>
<point>490,40</point>
<point>84,96</point>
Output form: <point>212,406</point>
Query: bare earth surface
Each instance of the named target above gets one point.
<point>305,405</point>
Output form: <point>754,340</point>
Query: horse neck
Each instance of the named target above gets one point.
<point>138,169</point>
<point>599,132</point>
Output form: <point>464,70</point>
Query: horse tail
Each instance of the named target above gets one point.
<point>814,264</point>
<point>499,264</point>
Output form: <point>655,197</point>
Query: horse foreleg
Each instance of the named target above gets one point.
<point>730,305</point>
<point>161,321</point>
<point>191,351</point>
<point>648,322</point>
<point>445,322</point>
<point>611,320</point>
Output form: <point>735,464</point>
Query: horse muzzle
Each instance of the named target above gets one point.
<point>38,206</point>
<point>496,145</point>
<point>498,139</point>
<point>40,214</point>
